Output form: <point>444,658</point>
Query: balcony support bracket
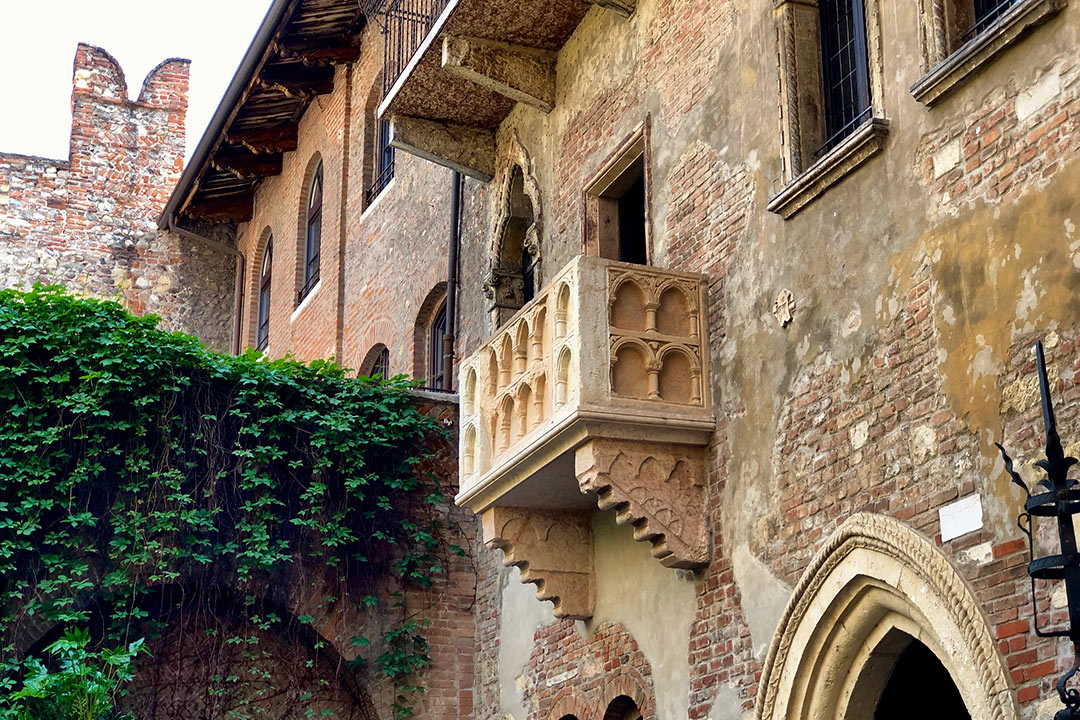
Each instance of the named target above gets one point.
<point>659,488</point>
<point>554,551</point>
<point>469,150</point>
<point>524,75</point>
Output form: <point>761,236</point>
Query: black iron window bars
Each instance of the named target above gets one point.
<point>845,70</point>
<point>407,23</point>
<point>987,12</point>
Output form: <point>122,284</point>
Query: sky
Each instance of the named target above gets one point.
<point>37,48</point>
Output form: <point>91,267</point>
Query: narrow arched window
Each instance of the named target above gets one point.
<point>313,245</point>
<point>381,368</point>
<point>262,334</point>
<point>437,379</point>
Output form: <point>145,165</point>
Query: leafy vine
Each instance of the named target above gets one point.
<point>146,482</point>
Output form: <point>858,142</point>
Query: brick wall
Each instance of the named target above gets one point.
<point>89,222</point>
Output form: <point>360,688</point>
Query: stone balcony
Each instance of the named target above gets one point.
<point>478,59</point>
<point>595,393</point>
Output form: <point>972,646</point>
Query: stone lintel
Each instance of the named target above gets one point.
<point>554,551</point>
<point>623,7</point>
<point>525,75</point>
<point>469,150</point>
<point>659,488</point>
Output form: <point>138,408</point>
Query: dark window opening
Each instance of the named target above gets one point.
<point>262,335</point>
<point>622,708</point>
<point>632,239</point>
<point>845,70</point>
<point>617,207</point>
<point>437,379</point>
<point>384,161</point>
<point>313,244</point>
<point>381,367</point>
<point>920,686</point>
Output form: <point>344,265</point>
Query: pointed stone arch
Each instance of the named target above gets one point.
<point>516,226</point>
<point>873,579</point>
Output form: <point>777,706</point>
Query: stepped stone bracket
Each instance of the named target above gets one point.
<point>469,150</point>
<point>525,75</point>
<point>659,488</point>
<point>554,551</point>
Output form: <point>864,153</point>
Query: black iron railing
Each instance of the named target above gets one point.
<point>406,24</point>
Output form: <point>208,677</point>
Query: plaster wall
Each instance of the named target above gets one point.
<point>918,281</point>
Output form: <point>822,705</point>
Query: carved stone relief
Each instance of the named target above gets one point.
<point>554,551</point>
<point>659,488</point>
<point>877,580</point>
<point>655,336</point>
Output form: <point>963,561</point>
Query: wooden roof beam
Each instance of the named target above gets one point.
<point>298,80</point>
<point>276,139</point>
<point>245,164</point>
<point>238,207</point>
<point>321,50</point>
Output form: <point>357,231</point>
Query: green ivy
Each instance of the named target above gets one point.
<point>132,458</point>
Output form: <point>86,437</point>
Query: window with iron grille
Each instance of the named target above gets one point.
<point>262,333</point>
<point>313,239</point>
<point>381,368</point>
<point>384,161</point>
<point>959,37</point>
<point>437,379</point>
<point>987,13</point>
<point>845,69</point>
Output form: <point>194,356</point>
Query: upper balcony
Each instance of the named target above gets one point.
<point>454,69</point>
<point>596,391</point>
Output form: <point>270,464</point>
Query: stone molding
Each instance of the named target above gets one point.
<point>552,549</point>
<point>868,556</point>
<point>863,144</point>
<point>949,71</point>
<point>657,488</point>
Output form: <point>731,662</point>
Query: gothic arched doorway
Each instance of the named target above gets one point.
<point>880,614</point>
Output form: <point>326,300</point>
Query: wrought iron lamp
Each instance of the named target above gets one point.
<point>1057,497</point>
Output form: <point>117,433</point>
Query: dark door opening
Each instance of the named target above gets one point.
<point>920,686</point>
<point>632,239</point>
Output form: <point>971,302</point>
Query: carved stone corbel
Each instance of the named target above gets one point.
<point>659,488</point>
<point>554,551</point>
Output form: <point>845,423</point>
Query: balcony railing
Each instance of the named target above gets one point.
<point>608,349</point>
<point>407,23</point>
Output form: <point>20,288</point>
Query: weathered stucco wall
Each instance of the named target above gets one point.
<point>919,282</point>
<point>90,222</point>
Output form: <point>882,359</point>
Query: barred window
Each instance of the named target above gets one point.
<point>845,69</point>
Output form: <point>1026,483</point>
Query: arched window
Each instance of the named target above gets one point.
<point>377,363</point>
<point>437,379</point>
<point>313,239</point>
<point>622,708</point>
<point>262,333</point>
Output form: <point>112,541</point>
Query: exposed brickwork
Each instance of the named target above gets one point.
<point>90,222</point>
<point>1014,141</point>
<point>571,674</point>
